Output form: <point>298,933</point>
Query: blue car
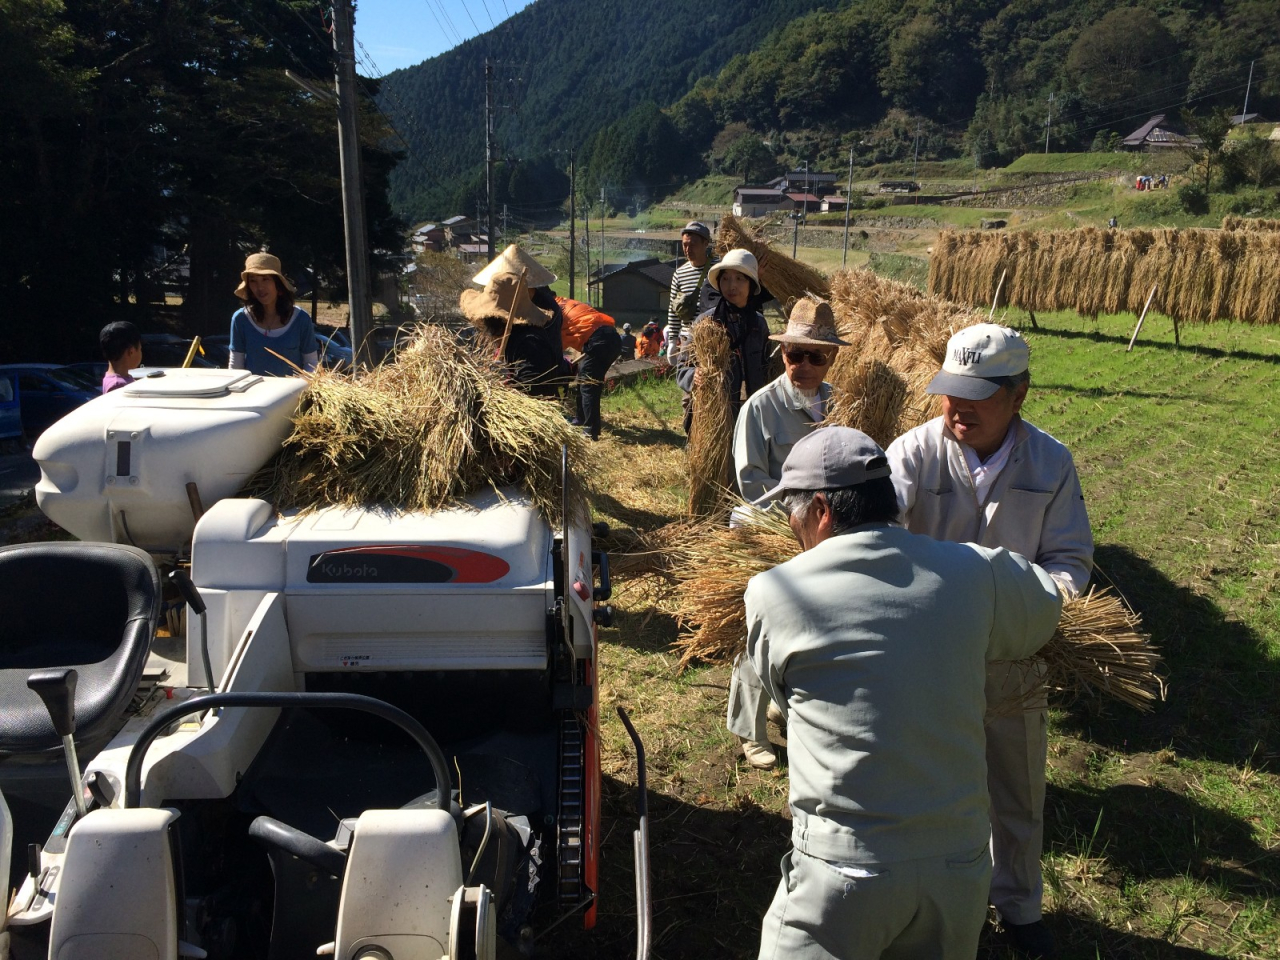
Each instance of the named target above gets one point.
<point>47,392</point>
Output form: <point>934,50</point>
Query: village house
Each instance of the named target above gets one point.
<point>635,292</point>
<point>1159,134</point>
<point>759,201</point>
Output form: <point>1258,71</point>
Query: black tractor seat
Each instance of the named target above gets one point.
<point>91,606</point>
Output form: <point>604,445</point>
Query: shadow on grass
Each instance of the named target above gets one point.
<point>1081,937</point>
<point>1130,394</point>
<point>1222,684</point>
<point>1153,833</point>
<point>648,631</point>
<point>632,516</point>
<point>713,873</point>
<point>1097,336</point>
<point>653,436</point>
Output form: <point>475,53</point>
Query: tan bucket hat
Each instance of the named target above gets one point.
<point>511,262</point>
<point>812,322</point>
<point>742,261</point>
<point>261,264</point>
<point>496,298</point>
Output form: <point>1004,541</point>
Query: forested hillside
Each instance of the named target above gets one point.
<point>564,69</point>
<point>657,92</point>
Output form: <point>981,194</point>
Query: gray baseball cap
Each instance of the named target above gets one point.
<point>829,459</point>
<point>698,227</point>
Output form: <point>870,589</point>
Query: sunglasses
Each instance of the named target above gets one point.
<point>816,358</point>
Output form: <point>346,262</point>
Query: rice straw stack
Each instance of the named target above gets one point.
<point>711,430</point>
<point>1249,223</point>
<point>787,279</point>
<point>1201,275</point>
<point>1098,649</point>
<point>422,433</point>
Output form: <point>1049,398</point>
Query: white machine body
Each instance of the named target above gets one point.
<point>117,468</point>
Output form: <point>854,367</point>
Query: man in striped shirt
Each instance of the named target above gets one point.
<point>690,276</point>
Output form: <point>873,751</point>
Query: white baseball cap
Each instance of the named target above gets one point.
<point>979,361</point>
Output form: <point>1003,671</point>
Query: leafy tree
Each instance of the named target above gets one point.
<point>1128,60</point>
<point>750,158</point>
<point>1212,129</point>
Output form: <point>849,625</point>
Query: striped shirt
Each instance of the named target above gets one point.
<point>685,280</point>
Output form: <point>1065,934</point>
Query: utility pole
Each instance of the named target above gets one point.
<point>795,233</point>
<point>586,226</point>
<point>504,221</point>
<point>488,148</point>
<point>573,218</point>
<point>915,169</point>
<point>848,198</point>
<point>1247,88</point>
<point>1048,120</point>
<point>600,286</point>
<point>357,235</point>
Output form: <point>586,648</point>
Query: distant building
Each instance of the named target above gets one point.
<point>834,204</point>
<point>1159,134</point>
<point>759,201</point>
<point>429,236</point>
<point>635,292</point>
<point>808,202</point>
<point>1242,118</point>
<point>806,181</point>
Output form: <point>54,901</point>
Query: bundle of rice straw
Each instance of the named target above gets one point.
<point>437,425</point>
<point>1097,650</point>
<point>871,398</point>
<point>1249,223</point>
<point>711,430</point>
<point>787,279</point>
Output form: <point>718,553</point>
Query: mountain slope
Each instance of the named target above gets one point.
<point>563,70</point>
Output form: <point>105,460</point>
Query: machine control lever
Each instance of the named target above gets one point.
<point>182,580</point>
<point>57,688</point>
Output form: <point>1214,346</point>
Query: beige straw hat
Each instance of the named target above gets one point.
<point>811,322</point>
<point>496,300</point>
<point>511,262</point>
<point>261,264</point>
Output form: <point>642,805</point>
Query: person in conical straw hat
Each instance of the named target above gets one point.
<point>574,326</point>
<point>770,424</point>
<point>506,319</point>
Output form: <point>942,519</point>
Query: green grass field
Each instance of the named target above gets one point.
<point>1078,163</point>
<point>1163,829</point>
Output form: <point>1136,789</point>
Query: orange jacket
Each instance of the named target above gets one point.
<point>649,343</point>
<point>581,320</point>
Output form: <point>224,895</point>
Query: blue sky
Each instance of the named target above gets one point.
<point>400,33</point>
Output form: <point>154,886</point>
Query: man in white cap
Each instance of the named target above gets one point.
<point>981,473</point>
<point>875,640</point>
<point>771,422</point>
<point>690,296</point>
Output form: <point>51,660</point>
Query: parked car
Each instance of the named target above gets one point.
<point>217,349</point>
<point>333,355</point>
<point>10,412</point>
<point>169,350</point>
<point>47,392</point>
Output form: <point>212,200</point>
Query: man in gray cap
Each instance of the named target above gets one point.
<point>690,295</point>
<point>875,641</point>
<point>981,473</point>
<point>771,421</point>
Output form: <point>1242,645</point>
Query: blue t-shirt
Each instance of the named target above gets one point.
<point>295,341</point>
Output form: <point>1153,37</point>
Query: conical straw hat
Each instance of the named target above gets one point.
<point>511,262</point>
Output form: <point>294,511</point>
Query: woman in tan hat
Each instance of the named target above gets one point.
<point>270,323</point>
<point>737,278</point>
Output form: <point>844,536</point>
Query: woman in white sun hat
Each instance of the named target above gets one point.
<point>737,278</point>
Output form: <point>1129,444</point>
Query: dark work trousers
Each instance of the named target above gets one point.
<point>598,354</point>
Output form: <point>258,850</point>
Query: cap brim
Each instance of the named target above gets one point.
<point>808,341</point>
<point>966,388</point>
<point>770,496</point>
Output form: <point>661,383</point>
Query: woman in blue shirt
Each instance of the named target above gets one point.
<point>269,321</point>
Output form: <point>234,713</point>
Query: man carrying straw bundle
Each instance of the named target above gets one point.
<point>770,424</point>
<point>979,473</point>
<point>876,639</point>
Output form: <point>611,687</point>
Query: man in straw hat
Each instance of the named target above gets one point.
<point>981,473</point>
<point>690,295</point>
<point>876,640</point>
<point>769,425</point>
